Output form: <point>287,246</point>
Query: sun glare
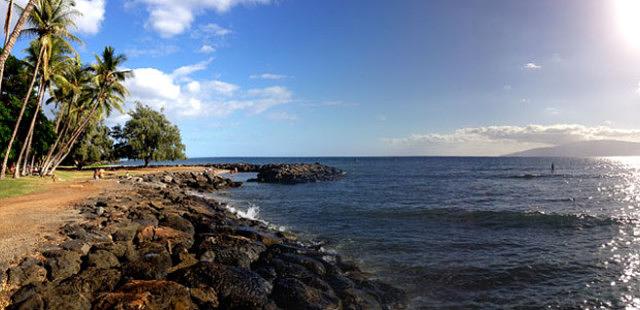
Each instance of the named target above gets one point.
<point>628,20</point>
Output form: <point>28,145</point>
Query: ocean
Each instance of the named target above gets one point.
<point>464,232</point>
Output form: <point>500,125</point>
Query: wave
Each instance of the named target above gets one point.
<point>499,219</point>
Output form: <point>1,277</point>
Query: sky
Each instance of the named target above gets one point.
<point>374,77</point>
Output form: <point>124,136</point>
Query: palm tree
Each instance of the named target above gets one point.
<point>11,41</point>
<point>51,21</point>
<point>105,92</point>
<point>69,88</point>
<point>51,70</point>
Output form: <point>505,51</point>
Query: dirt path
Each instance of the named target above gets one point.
<point>27,221</point>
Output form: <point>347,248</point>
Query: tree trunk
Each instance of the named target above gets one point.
<point>62,133</point>
<point>65,149</point>
<point>12,40</point>
<point>7,22</point>
<point>16,172</point>
<point>146,162</point>
<point>32,126</point>
<point>24,105</point>
<point>23,170</point>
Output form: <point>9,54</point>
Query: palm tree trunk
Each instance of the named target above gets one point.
<point>12,40</point>
<point>62,133</point>
<point>7,22</point>
<point>32,126</point>
<point>66,148</point>
<point>24,105</point>
<point>19,169</point>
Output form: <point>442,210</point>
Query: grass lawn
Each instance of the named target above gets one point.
<point>15,187</point>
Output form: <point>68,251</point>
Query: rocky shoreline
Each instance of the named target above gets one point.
<point>272,173</point>
<point>159,245</point>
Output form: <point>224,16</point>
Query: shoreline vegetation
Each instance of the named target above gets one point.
<point>156,241</point>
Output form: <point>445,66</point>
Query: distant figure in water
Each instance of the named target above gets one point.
<point>553,168</point>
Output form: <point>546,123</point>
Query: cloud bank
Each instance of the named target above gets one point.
<point>182,96</point>
<point>498,140</point>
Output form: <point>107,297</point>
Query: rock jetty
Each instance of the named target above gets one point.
<point>157,245</point>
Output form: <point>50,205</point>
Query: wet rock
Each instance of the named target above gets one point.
<point>236,287</point>
<point>267,238</point>
<point>140,294</point>
<point>291,293</point>
<point>232,250</point>
<point>62,264</point>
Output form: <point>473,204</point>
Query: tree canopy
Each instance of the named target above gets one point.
<point>149,136</point>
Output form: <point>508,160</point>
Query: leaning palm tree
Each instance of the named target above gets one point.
<point>11,40</point>
<point>67,95</point>
<point>103,94</point>
<point>50,21</point>
<point>52,69</point>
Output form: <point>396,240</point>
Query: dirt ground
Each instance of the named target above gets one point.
<point>29,220</point>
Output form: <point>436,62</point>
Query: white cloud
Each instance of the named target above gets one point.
<point>189,69</point>
<point>92,15</point>
<point>222,88</point>
<point>172,17</point>
<point>531,66</point>
<point>193,87</point>
<point>532,134</point>
<point>207,49</point>
<point>182,96</point>
<point>267,76</point>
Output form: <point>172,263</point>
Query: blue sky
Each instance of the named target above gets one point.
<point>411,77</point>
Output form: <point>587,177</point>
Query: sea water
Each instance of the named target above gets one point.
<point>471,232</point>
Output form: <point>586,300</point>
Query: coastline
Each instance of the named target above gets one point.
<point>157,237</point>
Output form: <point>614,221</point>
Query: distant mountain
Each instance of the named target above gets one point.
<point>598,148</point>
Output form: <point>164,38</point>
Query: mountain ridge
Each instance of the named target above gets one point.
<point>594,148</point>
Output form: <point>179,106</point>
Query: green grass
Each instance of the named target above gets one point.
<point>16,187</point>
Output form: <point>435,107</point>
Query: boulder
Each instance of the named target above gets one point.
<point>236,287</point>
<point>297,173</point>
<point>102,259</point>
<point>151,262</point>
<point>62,264</point>
<point>29,271</point>
<point>141,294</point>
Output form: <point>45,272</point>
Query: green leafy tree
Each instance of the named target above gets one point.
<point>94,146</point>
<point>149,135</point>
<point>16,80</point>
<point>49,21</point>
